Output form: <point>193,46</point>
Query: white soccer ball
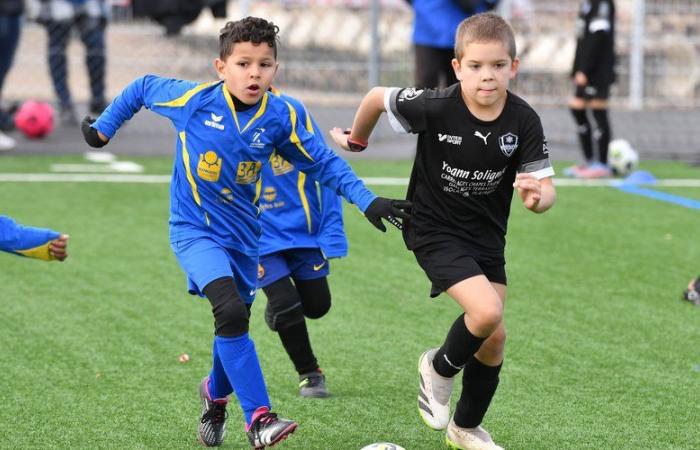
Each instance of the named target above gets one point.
<point>382,446</point>
<point>622,158</point>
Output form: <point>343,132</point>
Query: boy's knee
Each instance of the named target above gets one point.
<point>486,320</point>
<point>231,315</point>
<point>284,307</point>
<point>315,297</point>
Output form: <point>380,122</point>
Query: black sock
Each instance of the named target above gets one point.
<point>295,339</point>
<point>479,383</point>
<point>459,346</point>
<point>583,128</point>
<point>602,135</point>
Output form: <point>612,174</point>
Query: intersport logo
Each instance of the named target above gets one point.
<point>456,140</point>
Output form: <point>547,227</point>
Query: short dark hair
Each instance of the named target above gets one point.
<point>250,29</point>
<point>484,27</point>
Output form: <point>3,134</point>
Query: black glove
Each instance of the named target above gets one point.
<point>90,134</point>
<point>388,209</point>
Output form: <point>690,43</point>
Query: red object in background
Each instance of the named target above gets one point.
<point>34,119</point>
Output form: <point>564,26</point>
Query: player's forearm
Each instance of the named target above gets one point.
<point>368,114</point>
<point>122,108</point>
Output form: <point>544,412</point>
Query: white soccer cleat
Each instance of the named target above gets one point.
<point>469,438</point>
<point>434,393</point>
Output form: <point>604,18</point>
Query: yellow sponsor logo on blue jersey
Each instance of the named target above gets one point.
<point>270,194</point>
<point>209,166</point>
<point>248,172</point>
<point>279,165</point>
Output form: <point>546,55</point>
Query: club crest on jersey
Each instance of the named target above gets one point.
<point>409,94</point>
<point>247,172</point>
<point>209,166</point>
<point>508,143</point>
<point>215,122</point>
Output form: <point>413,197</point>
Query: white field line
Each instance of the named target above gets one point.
<point>371,181</point>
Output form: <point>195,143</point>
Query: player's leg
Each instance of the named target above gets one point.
<point>316,301</point>
<point>599,108</point>
<point>92,34</point>
<point>224,278</point>
<point>426,67</point>
<point>479,382</point>
<point>577,106</point>
<point>58,36</point>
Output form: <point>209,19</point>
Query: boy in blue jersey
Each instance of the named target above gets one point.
<point>38,243</point>
<point>227,130</point>
<point>302,227</point>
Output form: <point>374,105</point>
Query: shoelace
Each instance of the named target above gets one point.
<point>215,414</point>
<point>267,418</point>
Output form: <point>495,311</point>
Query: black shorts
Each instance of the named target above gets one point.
<point>592,91</point>
<point>449,262</point>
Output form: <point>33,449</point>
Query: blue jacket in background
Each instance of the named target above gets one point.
<point>296,212</point>
<point>435,21</point>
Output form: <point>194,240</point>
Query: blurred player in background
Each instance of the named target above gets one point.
<point>302,228</point>
<point>434,26</point>
<point>227,130</point>
<point>593,73</point>
<point>38,243</point>
<point>10,27</point>
<point>89,17</point>
<point>477,143</point>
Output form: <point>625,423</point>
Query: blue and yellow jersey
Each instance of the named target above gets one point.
<point>26,241</point>
<point>295,211</point>
<point>219,154</point>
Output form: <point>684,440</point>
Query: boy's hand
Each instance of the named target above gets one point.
<point>580,79</point>
<point>342,138</point>
<point>58,248</point>
<point>93,137</point>
<point>529,189</point>
<point>388,209</point>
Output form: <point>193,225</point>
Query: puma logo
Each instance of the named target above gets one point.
<point>479,135</point>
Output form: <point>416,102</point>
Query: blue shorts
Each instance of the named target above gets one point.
<point>300,263</point>
<point>204,261</point>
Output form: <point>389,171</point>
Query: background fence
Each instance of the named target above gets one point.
<point>329,55</point>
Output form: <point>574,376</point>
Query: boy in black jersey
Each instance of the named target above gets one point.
<point>593,73</point>
<point>476,143</point>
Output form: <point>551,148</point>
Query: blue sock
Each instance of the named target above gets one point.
<point>240,362</point>
<point>219,387</point>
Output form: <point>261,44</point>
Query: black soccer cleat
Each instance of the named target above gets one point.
<point>313,385</point>
<point>267,429</point>
<point>212,423</point>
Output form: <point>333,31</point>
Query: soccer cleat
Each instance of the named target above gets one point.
<point>469,438</point>
<point>434,393</point>
<point>6,142</point>
<point>266,429</point>
<point>313,385</point>
<point>212,423</point>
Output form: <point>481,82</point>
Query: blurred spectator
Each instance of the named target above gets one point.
<point>434,26</point>
<point>175,14</point>
<point>593,73</point>
<point>89,17</point>
<point>10,25</point>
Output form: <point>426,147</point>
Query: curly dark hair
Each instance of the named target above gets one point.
<point>250,29</point>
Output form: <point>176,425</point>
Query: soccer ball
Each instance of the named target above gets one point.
<point>382,446</point>
<point>622,158</point>
<point>34,119</point>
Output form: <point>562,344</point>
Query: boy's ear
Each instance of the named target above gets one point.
<point>456,67</point>
<point>515,65</point>
<point>220,65</point>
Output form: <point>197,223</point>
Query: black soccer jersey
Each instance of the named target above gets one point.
<point>595,42</point>
<point>462,179</point>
